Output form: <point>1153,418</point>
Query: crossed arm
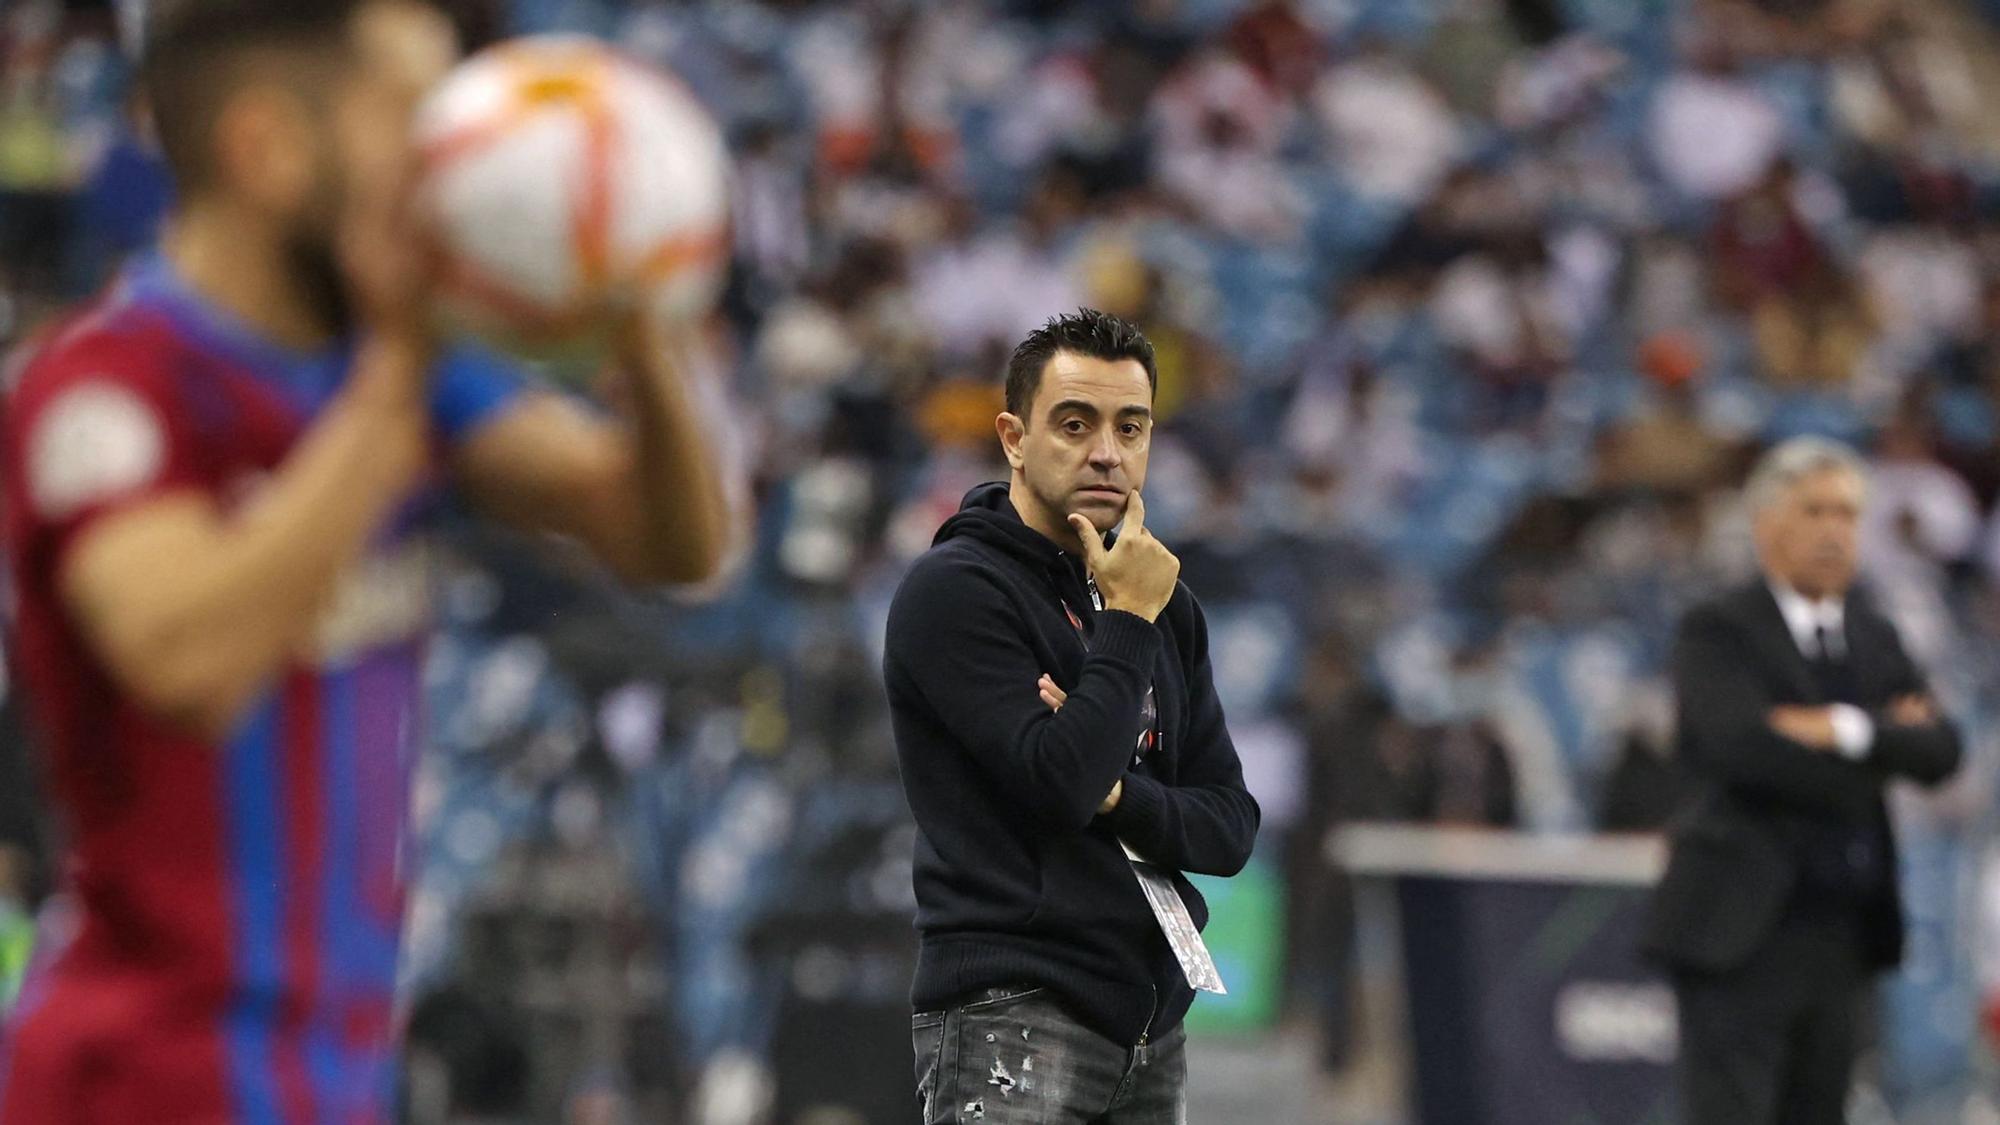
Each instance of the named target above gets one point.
<point>956,650</point>
<point>1205,824</point>
<point>1733,731</point>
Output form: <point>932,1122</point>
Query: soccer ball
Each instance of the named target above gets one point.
<point>563,184</point>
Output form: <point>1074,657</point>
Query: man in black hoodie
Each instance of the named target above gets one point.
<point>1054,714</point>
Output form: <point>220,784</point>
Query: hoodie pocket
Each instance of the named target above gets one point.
<point>1087,883</point>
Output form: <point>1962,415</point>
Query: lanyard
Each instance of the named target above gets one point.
<point>1165,902</point>
<point>1149,713</point>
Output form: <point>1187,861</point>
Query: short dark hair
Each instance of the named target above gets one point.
<point>1086,332</point>
<point>193,58</point>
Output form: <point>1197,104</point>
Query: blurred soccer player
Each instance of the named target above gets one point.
<point>216,480</point>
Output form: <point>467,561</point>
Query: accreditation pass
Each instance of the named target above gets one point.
<point>1177,923</point>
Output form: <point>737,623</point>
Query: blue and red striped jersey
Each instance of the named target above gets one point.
<point>227,951</point>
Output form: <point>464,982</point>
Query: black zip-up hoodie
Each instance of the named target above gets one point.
<point>1018,880</point>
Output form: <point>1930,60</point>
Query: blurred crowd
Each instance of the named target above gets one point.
<point>1469,315</point>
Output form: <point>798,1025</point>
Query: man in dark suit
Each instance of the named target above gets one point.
<point>1797,706</point>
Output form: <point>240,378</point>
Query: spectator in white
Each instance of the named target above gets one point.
<point>773,235</point>
<point>1502,309</point>
<point>1348,421</point>
<point>1392,134</point>
<point>1712,134</point>
<point>1557,83</point>
<point>1219,130</point>
<point>974,286</point>
<point>1057,101</point>
<point>1213,85</point>
<point>1923,284</point>
<point>882,73</point>
<point>1921,517</point>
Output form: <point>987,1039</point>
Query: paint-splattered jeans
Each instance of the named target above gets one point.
<point>1013,1057</point>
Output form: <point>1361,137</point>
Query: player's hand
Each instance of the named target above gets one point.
<point>1137,575</point>
<point>1914,710</point>
<point>1052,695</point>
<point>646,348</point>
<point>1811,727</point>
<point>389,266</point>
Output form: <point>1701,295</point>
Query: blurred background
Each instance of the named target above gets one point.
<point>1470,315</point>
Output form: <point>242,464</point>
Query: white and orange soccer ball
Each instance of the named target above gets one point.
<point>565,183</point>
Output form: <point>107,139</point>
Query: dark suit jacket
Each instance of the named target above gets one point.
<point>1756,796</point>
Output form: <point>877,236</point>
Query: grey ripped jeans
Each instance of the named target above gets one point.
<point>1011,1056</point>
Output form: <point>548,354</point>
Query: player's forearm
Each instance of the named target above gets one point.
<point>683,522</point>
<point>1207,821</point>
<point>1928,753</point>
<point>291,545</point>
<point>1063,764</point>
<point>197,612</point>
<point>1206,829</point>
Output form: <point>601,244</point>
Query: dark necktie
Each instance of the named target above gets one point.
<point>1843,862</point>
<point>1830,668</point>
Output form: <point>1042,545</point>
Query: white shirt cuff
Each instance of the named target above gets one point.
<point>1853,731</point>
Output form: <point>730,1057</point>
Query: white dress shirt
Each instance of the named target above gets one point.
<point>1853,730</point>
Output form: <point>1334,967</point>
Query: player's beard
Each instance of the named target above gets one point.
<point>316,264</point>
<point>1054,495</point>
<point>314,250</point>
